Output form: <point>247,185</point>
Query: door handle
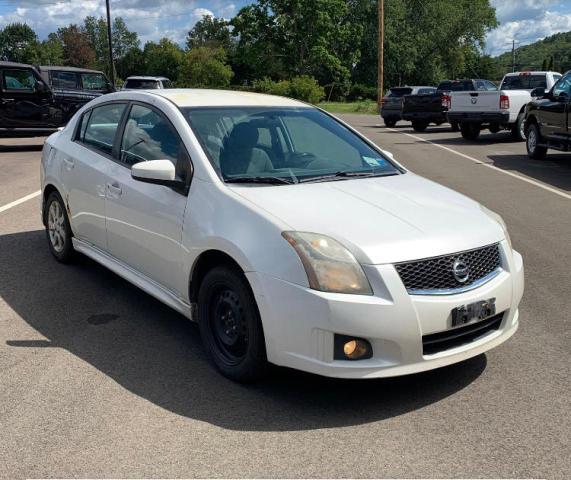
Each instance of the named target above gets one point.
<point>115,189</point>
<point>69,163</point>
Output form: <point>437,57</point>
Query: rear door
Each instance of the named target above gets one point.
<point>25,100</point>
<point>85,164</point>
<point>144,221</point>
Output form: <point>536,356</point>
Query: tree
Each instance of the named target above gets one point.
<point>15,39</point>
<point>298,37</point>
<point>163,58</point>
<point>48,52</point>
<point>210,32</point>
<point>77,50</point>
<point>205,67</point>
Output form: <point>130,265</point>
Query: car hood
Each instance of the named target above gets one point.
<point>381,219</point>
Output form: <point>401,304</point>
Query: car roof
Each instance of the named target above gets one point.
<point>199,97</point>
<point>530,72</point>
<point>15,64</point>
<point>145,77</point>
<point>67,69</point>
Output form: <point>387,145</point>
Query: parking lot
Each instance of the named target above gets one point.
<point>98,379</point>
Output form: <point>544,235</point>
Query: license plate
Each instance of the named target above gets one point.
<point>473,312</point>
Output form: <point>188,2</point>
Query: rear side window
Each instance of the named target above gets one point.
<point>64,80</point>
<point>101,126</point>
<point>524,82</point>
<point>19,80</point>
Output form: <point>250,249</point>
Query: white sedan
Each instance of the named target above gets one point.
<point>289,237</point>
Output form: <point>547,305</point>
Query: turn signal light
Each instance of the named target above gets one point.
<point>351,348</point>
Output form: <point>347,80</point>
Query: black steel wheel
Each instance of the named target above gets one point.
<point>230,325</point>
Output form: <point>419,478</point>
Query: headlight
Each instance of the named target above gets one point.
<point>330,267</point>
<point>500,220</point>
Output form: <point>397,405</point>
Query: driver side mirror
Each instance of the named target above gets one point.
<point>539,92</point>
<point>159,172</point>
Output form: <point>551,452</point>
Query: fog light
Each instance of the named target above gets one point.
<point>351,348</point>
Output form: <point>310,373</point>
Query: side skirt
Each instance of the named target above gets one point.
<point>136,278</point>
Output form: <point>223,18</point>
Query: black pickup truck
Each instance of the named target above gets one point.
<point>547,120</point>
<point>424,109</point>
<point>34,101</point>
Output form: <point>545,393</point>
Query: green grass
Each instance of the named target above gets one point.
<point>364,107</point>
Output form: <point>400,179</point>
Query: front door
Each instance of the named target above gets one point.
<point>25,100</point>
<point>553,114</point>
<point>144,221</point>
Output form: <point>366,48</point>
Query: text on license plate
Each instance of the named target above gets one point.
<point>473,312</point>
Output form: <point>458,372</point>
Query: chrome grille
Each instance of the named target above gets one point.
<point>436,275</point>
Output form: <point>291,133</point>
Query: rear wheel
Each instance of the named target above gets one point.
<point>230,325</point>
<point>58,229</point>
<point>390,123</point>
<point>454,126</point>
<point>419,126</point>
<point>518,129</point>
<point>470,131</point>
<point>534,150</point>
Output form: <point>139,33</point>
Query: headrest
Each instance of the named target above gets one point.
<point>243,135</point>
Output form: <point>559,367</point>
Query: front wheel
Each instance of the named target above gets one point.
<point>230,325</point>
<point>470,131</point>
<point>58,229</point>
<point>534,150</point>
<point>419,126</point>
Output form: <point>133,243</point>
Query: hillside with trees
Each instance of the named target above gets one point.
<point>551,53</point>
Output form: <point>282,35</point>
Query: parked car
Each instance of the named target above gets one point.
<point>146,83</point>
<point>391,103</point>
<point>287,235</point>
<point>27,106</point>
<point>503,109</point>
<point>547,119</point>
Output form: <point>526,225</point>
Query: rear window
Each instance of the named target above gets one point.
<point>142,84</point>
<point>426,91</point>
<point>524,82</point>
<point>400,92</point>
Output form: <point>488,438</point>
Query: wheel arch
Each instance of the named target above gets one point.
<point>48,190</point>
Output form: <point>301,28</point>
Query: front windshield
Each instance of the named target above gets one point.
<point>287,145</point>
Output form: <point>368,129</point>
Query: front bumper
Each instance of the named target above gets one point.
<point>300,323</point>
<point>501,118</point>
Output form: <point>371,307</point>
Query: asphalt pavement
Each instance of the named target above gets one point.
<point>98,379</point>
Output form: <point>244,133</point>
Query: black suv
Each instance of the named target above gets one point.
<point>37,101</point>
<point>547,119</point>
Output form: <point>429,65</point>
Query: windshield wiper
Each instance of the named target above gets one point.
<point>260,179</point>
<point>346,174</point>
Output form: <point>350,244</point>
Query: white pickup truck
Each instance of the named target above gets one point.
<point>498,109</point>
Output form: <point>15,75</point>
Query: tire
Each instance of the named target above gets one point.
<point>470,131</point>
<point>390,123</point>
<point>230,325</point>
<point>454,126</point>
<point>419,126</point>
<point>58,229</point>
<point>518,132</point>
<point>534,151</point>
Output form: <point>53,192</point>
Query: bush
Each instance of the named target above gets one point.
<point>359,91</point>
<point>303,88</point>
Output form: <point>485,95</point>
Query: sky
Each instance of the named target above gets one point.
<point>523,20</point>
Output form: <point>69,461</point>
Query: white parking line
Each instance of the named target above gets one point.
<point>10,205</point>
<point>493,167</point>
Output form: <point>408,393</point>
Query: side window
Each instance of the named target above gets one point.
<point>94,81</point>
<point>563,87</point>
<point>66,80</point>
<point>19,80</point>
<point>102,126</point>
<point>149,136</point>
<point>80,134</point>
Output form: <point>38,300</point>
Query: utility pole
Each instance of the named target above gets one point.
<point>513,55</point>
<point>381,51</point>
<point>111,65</point>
